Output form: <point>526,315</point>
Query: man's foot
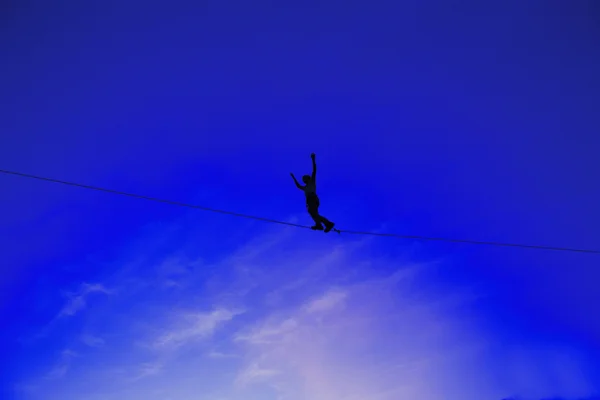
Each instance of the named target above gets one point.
<point>317,227</point>
<point>329,226</point>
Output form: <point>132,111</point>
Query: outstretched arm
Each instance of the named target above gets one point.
<point>298,185</point>
<point>314,171</point>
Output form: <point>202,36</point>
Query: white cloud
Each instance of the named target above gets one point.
<point>92,341</point>
<point>78,301</point>
<point>268,332</point>
<point>254,373</point>
<point>335,327</point>
<point>148,369</point>
<point>173,266</point>
<point>389,338</point>
<point>193,326</point>
<point>329,301</point>
<point>362,332</point>
<point>63,365</point>
<point>541,371</point>
<point>218,354</point>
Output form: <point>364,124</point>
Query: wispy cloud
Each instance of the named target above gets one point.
<point>218,354</point>
<point>327,302</point>
<point>254,373</point>
<point>344,342</point>
<point>78,301</point>
<point>63,365</point>
<point>268,332</point>
<point>148,369</point>
<point>92,341</point>
<point>194,326</point>
<point>310,320</point>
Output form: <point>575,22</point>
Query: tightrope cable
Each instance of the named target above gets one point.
<point>180,204</point>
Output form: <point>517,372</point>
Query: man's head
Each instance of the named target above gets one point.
<point>306,179</point>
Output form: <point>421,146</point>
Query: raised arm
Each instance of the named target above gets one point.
<point>314,171</point>
<point>298,185</point>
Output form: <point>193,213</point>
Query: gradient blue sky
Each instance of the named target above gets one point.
<point>461,119</point>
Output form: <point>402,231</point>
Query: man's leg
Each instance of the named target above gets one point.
<point>324,220</point>
<point>328,224</point>
<point>321,219</point>
<point>314,214</point>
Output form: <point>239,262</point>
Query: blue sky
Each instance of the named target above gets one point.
<point>466,120</point>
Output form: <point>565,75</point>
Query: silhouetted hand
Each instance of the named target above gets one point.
<point>312,156</point>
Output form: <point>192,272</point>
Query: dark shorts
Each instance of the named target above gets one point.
<point>312,203</point>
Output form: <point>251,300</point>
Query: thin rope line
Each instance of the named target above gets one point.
<point>155,199</point>
<point>180,204</point>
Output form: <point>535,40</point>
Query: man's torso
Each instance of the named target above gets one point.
<point>310,190</point>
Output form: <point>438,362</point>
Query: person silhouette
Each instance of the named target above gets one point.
<point>312,200</point>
